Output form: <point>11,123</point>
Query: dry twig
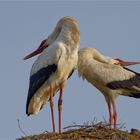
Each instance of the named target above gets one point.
<point>21,130</point>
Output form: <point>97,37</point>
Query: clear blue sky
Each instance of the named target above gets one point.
<point>111,27</point>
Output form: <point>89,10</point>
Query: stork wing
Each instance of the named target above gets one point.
<point>112,76</point>
<point>127,83</point>
<point>42,69</point>
<point>132,84</point>
<point>38,79</point>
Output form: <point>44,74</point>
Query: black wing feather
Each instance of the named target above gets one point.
<point>126,84</point>
<point>37,79</point>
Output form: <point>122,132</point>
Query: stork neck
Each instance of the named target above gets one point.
<point>69,36</point>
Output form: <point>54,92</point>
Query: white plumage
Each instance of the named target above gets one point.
<point>108,76</point>
<point>53,67</point>
<point>54,54</point>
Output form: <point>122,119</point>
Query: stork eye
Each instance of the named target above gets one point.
<point>46,46</point>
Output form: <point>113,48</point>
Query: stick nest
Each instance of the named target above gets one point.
<point>98,131</point>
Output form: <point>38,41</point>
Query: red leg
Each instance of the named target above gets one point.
<point>60,107</point>
<point>51,106</point>
<point>114,114</point>
<point>110,114</point>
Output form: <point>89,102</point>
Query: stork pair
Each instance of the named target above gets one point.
<point>60,57</point>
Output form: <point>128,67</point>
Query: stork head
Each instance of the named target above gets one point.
<point>68,25</point>
<point>65,27</point>
<point>41,47</point>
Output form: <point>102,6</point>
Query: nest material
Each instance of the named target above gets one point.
<point>98,131</point>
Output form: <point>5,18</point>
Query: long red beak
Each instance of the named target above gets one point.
<point>125,63</point>
<point>41,47</point>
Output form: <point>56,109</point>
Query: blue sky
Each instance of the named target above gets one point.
<point>111,27</point>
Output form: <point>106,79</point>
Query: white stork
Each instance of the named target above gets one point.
<point>109,76</point>
<point>49,73</point>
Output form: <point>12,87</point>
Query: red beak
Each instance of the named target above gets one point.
<point>125,63</point>
<point>41,47</point>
